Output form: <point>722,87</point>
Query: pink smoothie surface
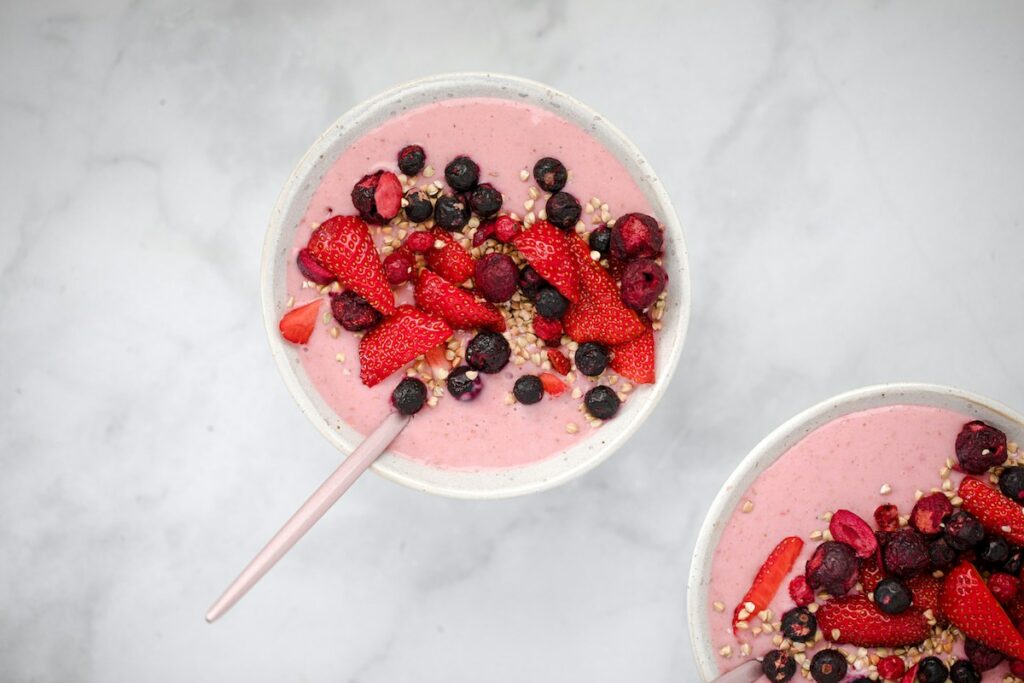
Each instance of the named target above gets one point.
<point>841,465</point>
<point>503,137</point>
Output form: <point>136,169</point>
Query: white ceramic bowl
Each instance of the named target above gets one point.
<point>277,257</point>
<point>781,440</point>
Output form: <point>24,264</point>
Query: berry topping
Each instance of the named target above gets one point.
<point>483,233</point>
<point>970,606</point>
<point>963,671</point>
<point>464,383</point>
<point>505,228</point>
<point>1011,481</point>
<point>600,240</point>
<point>451,261</point>
<point>634,359</point>
<point>550,303</point>
<point>983,658</point>
<point>550,174</point>
<point>871,573</point>
<point>992,551</point>
<point>353,313</point>
<point>832,568</point>
<point>451,213</point>
<point>801,592</point>
<point>941,554</point>
<point>799,625</point>
<point>599,315</point>
<point>403,336</point>
<point>297,324</point>
<point>418,207</point>
<point>1004,587</point>
<point>887,517</point>
<point>636,235</point>
<point>778,666</point>
<point>398,267</point>
<point>458,307</point>
<point>1017,668</point>
<point>548,330</point>
<point>828,666</point>
<point>552,385</point>
<point>997,514</point>
<point>462,174</point>
<point>891,668</point>
<point>850,529</point>
<point>411,159</point>
<point>932,670</point>
<point>409,396</point>
<point>1015,562</point>
<point>963,531</point>
<point>559,363</point>
<point>563,210</point>
<point>419,242</point>
<point>528,389</point>
<point>591,359</point>
<point>930,512</point>
<point>979,447</point>
<point>342,245</point>
<point>311,270</point>
<point>548,251</point>
<point>496,277</point>
<point>854,619</point>
<point>906,553</point>
<point>892,597</point>
<point>602,402</point>
<point>769,577</point>
<point>530,282</point>
<point>643,281</point>
<point>488,352</point>
<point>484,200</point>
<point>377,197</point>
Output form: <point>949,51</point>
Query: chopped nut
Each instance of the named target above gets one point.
<point>747,506</point>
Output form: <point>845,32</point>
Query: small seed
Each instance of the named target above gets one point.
<point>748,506</point>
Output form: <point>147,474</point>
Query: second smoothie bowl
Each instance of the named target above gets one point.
<point>499,250</point>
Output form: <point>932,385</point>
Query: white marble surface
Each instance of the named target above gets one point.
<point>850,177</point>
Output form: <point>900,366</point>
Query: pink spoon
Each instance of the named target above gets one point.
<point>310,512</point>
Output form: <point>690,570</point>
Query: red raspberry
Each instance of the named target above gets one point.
<point>419,242</point>
<point>891,668</point>
<point>801,592</point>
<point>636,235</point>
<point>643,281</point>
<point>496,277</point>
<point>887,517</point>
<point>398,267</point>
<point>1004,587</point>
<point>548,330</point>
<point>505,229</point>
<point>930,512</point>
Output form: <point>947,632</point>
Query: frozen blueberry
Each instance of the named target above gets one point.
<point>932,670</point>
<point>799,625</point>
<point>892,596</point>
<point>462,174</point>
<point>464,383</point>
<point>993,551</point>
<point>600,240</point>
<point>963,531</point>
<point>550,174</point>
<point>484,200</point>
<point>418,207</point>
<point>963,671</point>
<point>981,656</point>
<point>591,359</point>
<point>563,210</point>
<point>451,213</point>
<point>828,666</point>
<point>1011,483</point>
<point>411,159</point>
<point>550,303</point>
<point>602,402</point>
<point>979,447</point>
<point>530,282</point>
<point>778,666</point>
<point>832,568</point>
<point>409,396</point>
<point>488,352</point>
<point>528,389</point>
<point>941,554</point>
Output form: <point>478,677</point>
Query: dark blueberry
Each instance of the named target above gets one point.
<point>528,389</point>
<point>941,554</point>
<point>892,597</point>
<point>600,240</point>
<point>963,671</point>
<point>906,553</point>
<point>353,312</point>
<point>979,447</point>
<point>832,568</point>
<point>591,359</point>
<point>981,656</point>
<point>484,200</point>
<point>643,281</point>
<point>778,666</point>
<point>993,551</point>
<point>1015,562</point>
<point>462,174</point>
<point>932,670</point>
<point>828,666</point>
<point>530,282</point>
<point>488,352</point>
<point>550,303</point>
<point>418,206</point>
<point>799,625</point>
<point>496,277</point>
<point>602,402</point>
<point>563,210</point>
<point>963,531</point>
<point>451,213</point>
<point>409,396</point>
<point>550,174</point>
<point>464,383</point>
<point>411,159</point>
<point>1011,483</point>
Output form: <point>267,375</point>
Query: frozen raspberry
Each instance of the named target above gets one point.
<point>941,554</point>
<point>505,228</point>
<point>353,312</point>
<point>496,277</point>
<point>963,671</point>
<point>979,447</point>
<point>483,233</point>
<point>799,625</point>
<point>848,528</point>
<point>963,531</point>
<point>548,330</point>
<point>1017,668</point>
<point>887,517</point>
<point>311,270</point>
<point>464,383</point>
<point>993,551</point>
<point>409,396</point>
<point>1011,483</point>
<point>484,200</point>
<point>419,242</point>
<point>891,668</point>
<point>451,213</point>
<point>398,267</point>
<point>411,159</point>
<point>418,207</point>
<point>800,591</point>
<point>636,235</point>
<point>1004,587</point>
<point>563,210</point>
<point>591,359</point>
<point>643,281</point>
<point>600,240</point>
<point>981,656</point>
<point>932,670</point>
<point>930,512</point>
<point>488,352</point>
<point>530,282</point>
<point>462,174</point>
<point>602,402</point>
<point>550,303</point>
<point>550,174</point>
<point>528,389</point>
<point>906,553</point>
<point>377,197</point>
<point>892,596</point>
<point>832,568</point>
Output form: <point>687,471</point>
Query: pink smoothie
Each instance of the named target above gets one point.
<point>840,465</point>
<point>503,137</point>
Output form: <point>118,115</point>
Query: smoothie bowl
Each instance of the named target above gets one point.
<point>490,254</point>
<point>879,535</point>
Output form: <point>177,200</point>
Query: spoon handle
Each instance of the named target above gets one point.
<point>747,672</point>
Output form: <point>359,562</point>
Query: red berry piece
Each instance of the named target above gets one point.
<point>1004,587</point>
<point>906,553</point>
<point>832,568</point>
<point>483,233</point>
<point>451,261</point>
<point>800,591</point>
<point>643,281</point>
<point>411,159</point>
<point>496,277</point>
<point>559,363</point>
<point>891,668</point>
<point>850,529</point>
<point>398,267</point>
<point>983,658</point>
<point>1017,668</point>
<point>768,579</point>
<point>311,270</point>
<point>353,312</point>
<point>979,447</point>
<point>377,197</point>
<point>552,385</point>
<point>887,517</point>
<point>930,512</point>
<point>297,324</point>
<point>636,235</point>
<point>505,229</point>
<point>419,242</point>
<point>548,330</point>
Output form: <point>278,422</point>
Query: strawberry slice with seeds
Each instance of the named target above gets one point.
<point>406,334</point>
<point>343,245</point>
<point>926,590</point>
<point>599,315</point>
<point>970,606</point>
<point>997,513</point>
<point>871,572</point>
<point>546,249</point>
<point>856,620</point>
<point>559,363</point>
<point>634,360</point>
<point>552,385</point>
<point>768,579</point>
<point>449,260</point>
<point>297,324</point>
<point>458,307</point>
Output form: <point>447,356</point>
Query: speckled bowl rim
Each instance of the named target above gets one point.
<point>782,439</point>
<point>493,483</point>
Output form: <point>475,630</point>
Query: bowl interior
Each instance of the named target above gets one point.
<point>277,255</point>
<point>781,440</point>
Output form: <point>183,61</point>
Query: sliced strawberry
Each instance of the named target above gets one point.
<point>552,385</point>
<point>406,334</point>
<point>997,513</point>
<point>458,307</point>
<point>856,620</point>
<point>451,261</point>
<point>926,590</point>
<point>297,324</point>
<point>439,365</point>
<point>342,245</point>
<point>634,360</point>
<point>599,315</point>
<point>968,603</point>
<point>769,577</point>
<point>546,248</point>
<point>911,675</point>
<point>871,572</point>
<point>559,362</point>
